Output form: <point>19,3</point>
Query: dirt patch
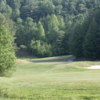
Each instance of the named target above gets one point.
<point>23,61</point>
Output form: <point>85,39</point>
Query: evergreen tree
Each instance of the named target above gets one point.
<point>53,29</point>
<point>92,41</point>
<point>76,41</point>
<point>41,31</point>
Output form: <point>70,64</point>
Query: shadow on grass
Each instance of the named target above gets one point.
<point>69,58</point>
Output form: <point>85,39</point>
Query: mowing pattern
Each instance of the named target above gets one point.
<point>36,80</point>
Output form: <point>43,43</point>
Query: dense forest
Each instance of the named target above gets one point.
<point>53,27</point>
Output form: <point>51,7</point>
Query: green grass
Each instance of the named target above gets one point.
<point>53,59</point>
<point>54,80</point>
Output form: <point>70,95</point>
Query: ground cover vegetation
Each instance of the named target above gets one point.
<point>44,79</point>
<point>46,28</point>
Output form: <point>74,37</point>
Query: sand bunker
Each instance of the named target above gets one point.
<point>94,67</point>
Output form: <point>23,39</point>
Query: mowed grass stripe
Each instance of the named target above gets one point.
<point>52,81</point>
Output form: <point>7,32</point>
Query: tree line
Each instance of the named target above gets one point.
<point>85,37</point>
<point>46,27</point>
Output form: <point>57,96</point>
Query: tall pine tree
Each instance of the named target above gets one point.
<point>92,41</point>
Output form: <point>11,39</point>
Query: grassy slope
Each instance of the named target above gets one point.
<point>37,80</point>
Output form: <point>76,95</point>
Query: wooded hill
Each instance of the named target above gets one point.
<point>53,27</point>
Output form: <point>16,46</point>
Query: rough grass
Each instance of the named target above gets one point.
<point>51,81</point>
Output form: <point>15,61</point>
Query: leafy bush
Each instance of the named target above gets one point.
<point>7,55</point>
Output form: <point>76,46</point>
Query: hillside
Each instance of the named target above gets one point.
<point>46,28</point>
<point>49,49</point>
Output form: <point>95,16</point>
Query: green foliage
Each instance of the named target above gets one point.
<point>63,24</point>
<point>76,40</point>
<point>85,37</point>
<point>40,48</point>
<point>7,55</point>
<point>41,31</point>
<point>92,41</point>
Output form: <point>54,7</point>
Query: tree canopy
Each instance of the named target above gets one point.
<point>52,27</point>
